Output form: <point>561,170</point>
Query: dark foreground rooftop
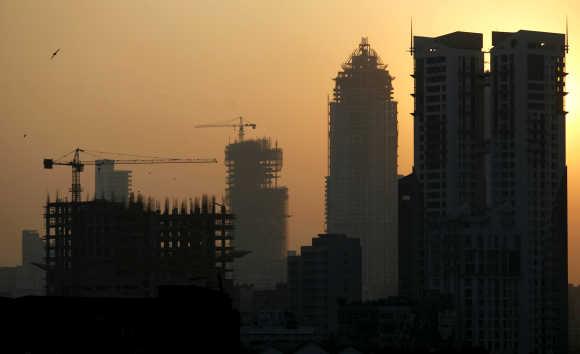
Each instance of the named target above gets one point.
<point>181,319</point>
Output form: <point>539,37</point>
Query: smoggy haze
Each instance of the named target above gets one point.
<point>136,76</point>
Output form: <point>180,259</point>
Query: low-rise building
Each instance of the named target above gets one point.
<point>324,274</point>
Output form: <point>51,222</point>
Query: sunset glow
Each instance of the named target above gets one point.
<point>136,76</point>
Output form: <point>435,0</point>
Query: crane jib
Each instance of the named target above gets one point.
<point>78,166</point>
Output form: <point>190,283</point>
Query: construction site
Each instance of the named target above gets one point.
<point>107,249</point>
<point>129,248</point>
<point>116,245</point>
<point>261,209</point>
<point>260,204</point>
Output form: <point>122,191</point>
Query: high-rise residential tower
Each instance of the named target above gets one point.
<point>361,186</point>
<point>449,122</point>
<point>528,177</point>
<point>490,159</point>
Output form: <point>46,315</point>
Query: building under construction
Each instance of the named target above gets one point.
<point>261,209</point>
<point>107,249</point>
<point>361,187</point>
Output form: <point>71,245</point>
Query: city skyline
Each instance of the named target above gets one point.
<point>162,83</point>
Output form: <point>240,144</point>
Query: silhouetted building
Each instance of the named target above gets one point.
<point>180,320</point>
<point>28,278</point>
<point>386,323</point>
<point>8,280</point>
<point>573,318</point>
<point>261,209</point>
<point>271,307</point>
<point>32,247</point>
<point>529,179</point>
<point>361,186</point>
<point>319,278</point>
<point>268,322</point>
<point>490,159</point>
<point>294,277</point>
<point>448,123</point>
<point>399,325</point>
<point>411,233</point>
<point>111,184</point>
<point>31,276</point>
<point>276,339</point>
<point>264,307</point>
<point>100,248</point>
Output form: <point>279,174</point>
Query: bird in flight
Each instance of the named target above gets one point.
<point>25,135</point>
<point>54,54</point>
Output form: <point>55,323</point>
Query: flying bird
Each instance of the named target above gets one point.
<point>54,54</point>
<point>25,135</point>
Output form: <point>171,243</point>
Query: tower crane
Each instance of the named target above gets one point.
<point>240,126</point>
<point>78,166</point>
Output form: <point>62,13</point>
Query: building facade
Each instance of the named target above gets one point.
<point>411,238</point>
<point>448,123</point>
<point>106,249</point>
<point>573,318</point>
<point>110,184</point>
<point>31,277</point>
<point>372,326</point>
<point>32,247</point>
<point>528,171</point>
<point>490,158</point>
<point>320,277</point>
<point>361,186</point>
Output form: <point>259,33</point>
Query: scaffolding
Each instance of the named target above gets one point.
<point>261,209</point>
<point>252,164</point>
<point>363,71</point>
<point>361,186</point>
<point>102,248</point>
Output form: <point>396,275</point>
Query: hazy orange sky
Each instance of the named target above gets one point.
<point>136,76</point>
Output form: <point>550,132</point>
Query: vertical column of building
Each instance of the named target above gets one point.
<point>468,253</point>
<point>448,132</point>
<point>448,125</point>
<point>362,182</point>
<point>495,219</point>
<point>529,176</point>
<point>323,274</point>
<point>260,209</point>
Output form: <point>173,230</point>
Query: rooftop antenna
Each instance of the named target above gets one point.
<point>364,46</point>
<point>411,48</point>
<point>566,47</point>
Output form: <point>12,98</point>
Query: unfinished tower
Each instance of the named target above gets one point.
<point>109,249</point>
<point>361,187</point>
<point>260,207</point>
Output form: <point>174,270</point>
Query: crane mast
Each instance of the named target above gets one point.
<point>77,168</point>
